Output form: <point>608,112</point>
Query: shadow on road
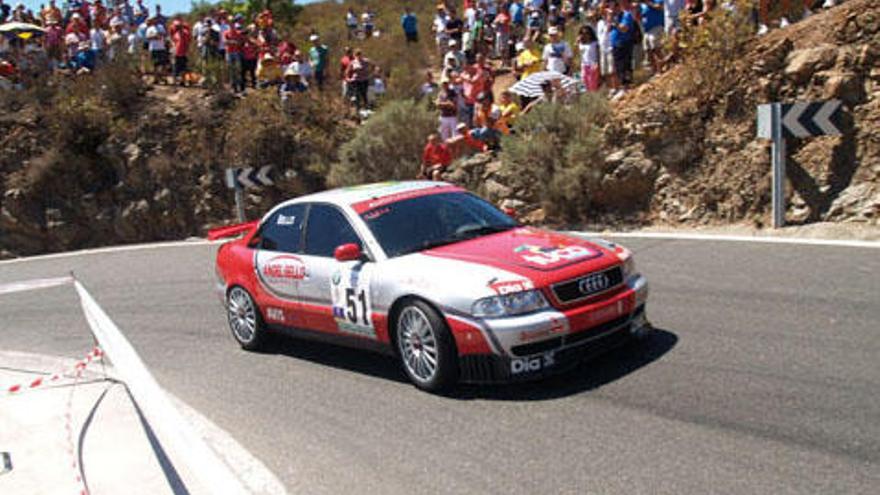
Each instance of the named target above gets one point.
<point>337,356</point>
<point>586,376</point>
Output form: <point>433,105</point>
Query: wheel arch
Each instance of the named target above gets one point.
<point>398,305</point>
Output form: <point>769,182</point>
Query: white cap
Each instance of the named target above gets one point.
<point>313,37</point>
<point>452,42</point>
<point>553,30</point>
<point>520,46</point>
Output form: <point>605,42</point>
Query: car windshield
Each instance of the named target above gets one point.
<point>423,222</point>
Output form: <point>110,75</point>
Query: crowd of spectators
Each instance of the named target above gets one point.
<point>600,43</point>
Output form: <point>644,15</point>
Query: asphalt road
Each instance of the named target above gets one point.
<point>764,377</point>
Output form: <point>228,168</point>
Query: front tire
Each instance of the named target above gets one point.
<point>244,319</point>
<point>426,347</point>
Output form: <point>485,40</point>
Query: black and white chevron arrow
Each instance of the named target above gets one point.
<point>248,177</point>
<point>806,119</point>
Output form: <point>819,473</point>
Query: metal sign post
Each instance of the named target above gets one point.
<point>239,178</point>
<point>778,121</point>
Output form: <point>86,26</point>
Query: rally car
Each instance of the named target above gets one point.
<point>440,278</point>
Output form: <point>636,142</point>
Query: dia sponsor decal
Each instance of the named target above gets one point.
<point>551,256</point>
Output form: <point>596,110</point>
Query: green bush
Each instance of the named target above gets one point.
<point>388,146</point>
<point>555,155</point>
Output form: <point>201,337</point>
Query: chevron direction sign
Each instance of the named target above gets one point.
<point>240,178</point>
<point>801,119</point>
<point>782,121</point>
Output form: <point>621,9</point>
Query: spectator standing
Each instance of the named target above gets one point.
<point>410,25</point>
<point>652,26</point>
<point>233,39</point>
<point>447,105</point>
<point>527,60</point>
<point>222,26</point>
<point>160,19</point>
<point>557,53</point>
<point>51,14</point>
<point>117,40</point>
<point>367,25</point>
<point>344,62</point>
<point>441,37</point>
<point>606,55</point>
<point>181,37</point>
<point>250,51</point>
<point>502,37</point>
<point>671,11</point>
<point>351,23</point>
<point>358,76</point>
<point>140,12</point>
<point>318,54</point>
<point>98,43</point>
<point>377,87</point>
<point>454,27</point>
<point>155,36</point>
<point>622,26</point>
<point>54,42</point>
<point>588,47</point>
<point>206,39</point>
<point>435,158</point>
<point>429,87</point>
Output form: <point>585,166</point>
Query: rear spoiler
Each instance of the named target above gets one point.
<point>232,230</point>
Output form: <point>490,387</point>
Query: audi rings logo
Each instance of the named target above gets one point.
<point>591,284</point>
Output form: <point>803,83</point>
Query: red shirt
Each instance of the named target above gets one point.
<point>181,38</point>
<point>436,154</point>
<point>343,64</point>
<point>233,38</point>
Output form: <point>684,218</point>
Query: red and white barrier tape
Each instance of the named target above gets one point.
<point>78,368</point>
<point>68,427</point>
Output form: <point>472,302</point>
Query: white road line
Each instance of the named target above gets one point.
<point>734,238</point>
<point>113,249</point>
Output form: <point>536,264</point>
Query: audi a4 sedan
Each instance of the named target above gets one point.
<point>434,275</point>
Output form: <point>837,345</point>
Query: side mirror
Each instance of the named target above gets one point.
<point>254,242</point>
<point>348,252</point>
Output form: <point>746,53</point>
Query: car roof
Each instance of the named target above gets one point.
<point>347,196</point>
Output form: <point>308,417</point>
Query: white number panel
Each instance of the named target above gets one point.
<point>350,295</point>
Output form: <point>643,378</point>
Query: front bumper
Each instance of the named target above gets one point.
<point>570,350</point>
<point>538,344</point>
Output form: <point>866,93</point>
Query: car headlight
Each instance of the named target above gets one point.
<point>513,304</point>
<point>629,263</point>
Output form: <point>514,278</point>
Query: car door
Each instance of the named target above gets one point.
<point>279,267</point>
<point>335,295</point>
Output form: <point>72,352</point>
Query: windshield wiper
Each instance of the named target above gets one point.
<point>482,230</point>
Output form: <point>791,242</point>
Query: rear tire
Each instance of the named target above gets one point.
<point>244,319</point>
<point>426,347</point>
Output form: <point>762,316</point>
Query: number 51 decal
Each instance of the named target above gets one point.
<point>352,307</point>
<point>355,303</point>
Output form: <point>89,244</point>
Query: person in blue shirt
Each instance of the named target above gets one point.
<point>516,13</point>
<point>410,25</point>
<point>622,26</point>
<point>651,12</point>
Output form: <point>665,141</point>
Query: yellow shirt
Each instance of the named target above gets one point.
<point>508,113</point>
<point>529,61</point>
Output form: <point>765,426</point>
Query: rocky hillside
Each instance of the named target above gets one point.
<point>682,149</point>
<point>106,160</point>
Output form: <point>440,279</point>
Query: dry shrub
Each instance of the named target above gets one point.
<point>388,146</point>
<point>299,142</point>
<point>80,123</point>
<point>710,50</point>
<point>555,155</point>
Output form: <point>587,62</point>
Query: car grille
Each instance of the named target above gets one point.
<point>588,285</point>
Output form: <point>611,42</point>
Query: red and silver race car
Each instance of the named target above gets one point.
<point>434,275</point>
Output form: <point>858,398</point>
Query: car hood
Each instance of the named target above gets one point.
<point>542,256</point>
